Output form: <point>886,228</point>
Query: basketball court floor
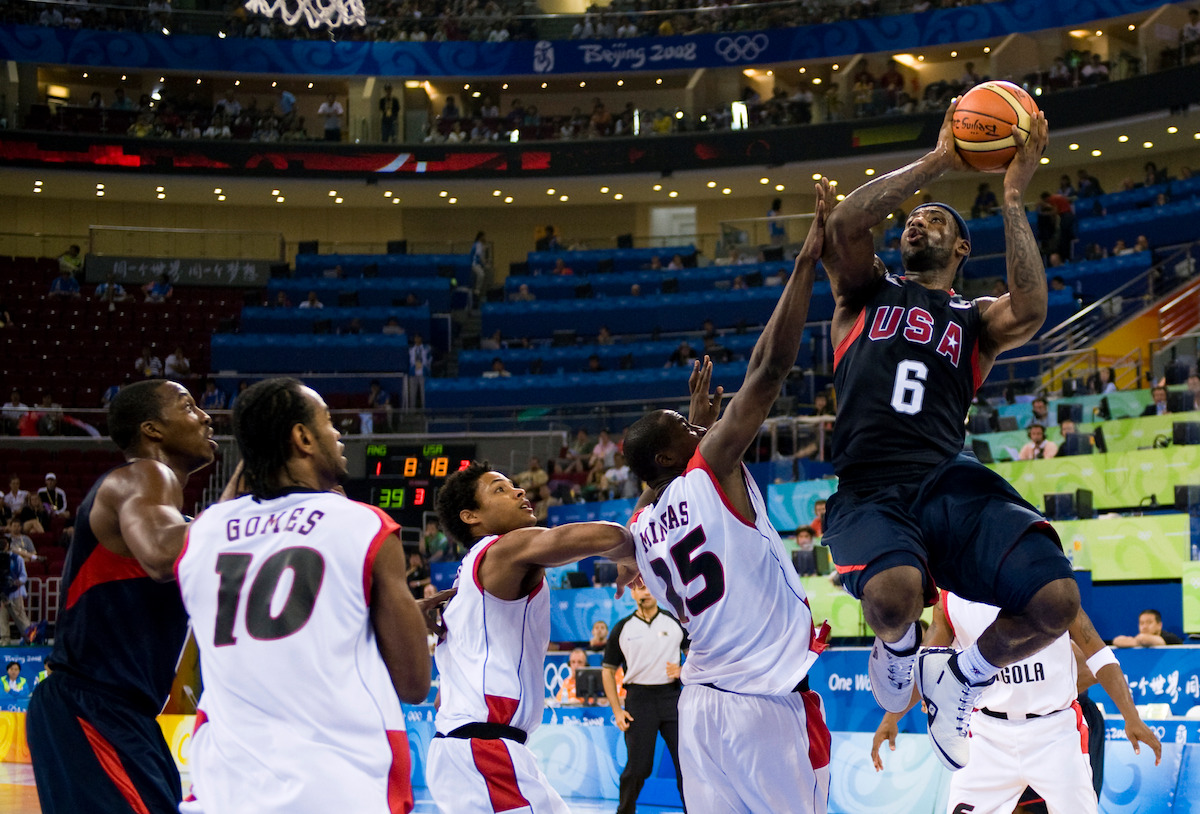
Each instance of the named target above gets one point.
<point>18,796</point>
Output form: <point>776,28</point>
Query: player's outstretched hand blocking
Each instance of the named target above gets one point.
<point>704,409</point>
<point>814,241</point>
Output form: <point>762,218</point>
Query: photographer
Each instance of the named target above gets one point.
<point>12,592</point>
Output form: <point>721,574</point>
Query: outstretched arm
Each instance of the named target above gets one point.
<point>513,565</point>
<point>704,410</point>
<point>1016,316</point>
<point>773,356</point>
<point>849,254</point>
<point>1112,679</point>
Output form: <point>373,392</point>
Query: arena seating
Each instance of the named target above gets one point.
<point>435,292</point>
<point>384,265</point>
<point>687,280</point>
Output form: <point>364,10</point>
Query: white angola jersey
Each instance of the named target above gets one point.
<point>1037,685</point>
<point>298,712</point>
<point>492,661</point>
<point>730,582</point>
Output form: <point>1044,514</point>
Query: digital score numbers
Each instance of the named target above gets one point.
<point>403,481</point>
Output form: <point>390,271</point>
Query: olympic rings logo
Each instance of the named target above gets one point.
<point>741,48</point>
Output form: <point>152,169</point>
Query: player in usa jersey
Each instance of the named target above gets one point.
<point>497,630</point>
<point>1031,730</point>
<point>309,637</point>
<point>912,512</point>
<point>95,743</point>
<point>752,735</point>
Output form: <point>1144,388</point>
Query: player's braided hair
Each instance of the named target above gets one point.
<point>646,438</point>
<point>130,407</point>
<point>263,418</point>
<point>456,494</point>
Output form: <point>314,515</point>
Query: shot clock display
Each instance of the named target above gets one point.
<point>403,481</point>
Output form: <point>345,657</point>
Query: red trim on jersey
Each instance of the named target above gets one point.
<point>846,569</point>
<point>495,764</point>
<point>182,551</point>
<point>388,526</point>
<point>478,560</point>
<point>698,462</point>
<point>500,709</point>
<point>1082,726</point>
<point>110,762</point>
<point>535,591</point>
<point>818,641</point>
<point>946,611</point>
<point>849,338</point>
<point>399,786</point>
<point>201,720</point>
<point>102,566</point>
<point>819,739</point>
<point>976,376</point>
<point>636,515</point>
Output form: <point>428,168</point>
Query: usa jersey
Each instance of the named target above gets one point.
<point>729,581</point>
<point>298,712</point>
<point>491,663</point>
<point>1040,684</point>
<point>905,376</point>
<point>117,626</point>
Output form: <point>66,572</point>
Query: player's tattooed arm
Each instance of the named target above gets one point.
<point>849,254</point>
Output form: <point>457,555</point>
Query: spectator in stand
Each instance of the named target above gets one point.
<point>1189,36</point>
<point>1193,386</point>
<point>389,116</point>
<point>54,498</point>
<point>450,110</point>
<point>599,638</point>
<point>19,542</point>
<point>228,105</point>
<point>159,290</point>
<point>533,477</point>
<point>548,242</point>
<point>71,260</point>
<point>804,557</point>
<point>1094,72</point>
<point>682,356</point>
<point>35,517</point>
<point>435,545</point>
<point>1037,447</point>
<point>567,693</point>
<point>1064,187</point>
<point>311,301</point>
<point>332,111</point>
<point>1040,413</point>
<point>497,371</point>
<point>241,388</point>
<point>121,101</point>
<point>12,594</point>
<point>148,365</point>
<point>420,359</point>
<point>970,78</point>
<point>177,365</point>
<point>13,411</point>
<point>417,574</point>
<point>481,263</point>
<point>523,294</point>
<point>579,452</point>
<point>1150,632</point>
<point>1142,244</point>
<point>110,291</point>
<point>561,269</point>
<point>1159,404</point>
<point>605,337</point>
<point>379,409</point>
<point>1089,187</point>
<point>392,327</point>
<point>618,481</point>
<point>1104,381</point>
<point>985,201</point>
<point>15,498</point>
<point>64,286</point>
<point>604,452</point>
<point>818,523</point>
<point>213,397</point>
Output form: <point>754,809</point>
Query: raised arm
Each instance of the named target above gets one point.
<point>773,356</point>
<point>512,567</point>
<point>849,254</point>
<point>141,516</point>
<point>1107,669</point>
<point>1015,317</point>
<point>400,627</point>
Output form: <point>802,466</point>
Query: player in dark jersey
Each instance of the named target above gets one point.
<point>912,512</point>
<point>95,743</point>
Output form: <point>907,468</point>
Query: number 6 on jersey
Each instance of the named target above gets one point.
<point>909,390</point>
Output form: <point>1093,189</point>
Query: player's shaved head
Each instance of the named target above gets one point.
<point>648,436</point>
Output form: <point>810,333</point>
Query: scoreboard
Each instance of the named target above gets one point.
<point>403,480</point>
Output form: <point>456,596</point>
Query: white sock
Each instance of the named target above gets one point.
<point>907,642</point>
<point>975,668</point>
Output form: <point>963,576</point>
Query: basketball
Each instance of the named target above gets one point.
<point>984,121</point>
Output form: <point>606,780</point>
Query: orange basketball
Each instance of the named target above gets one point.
<point>984,121</point>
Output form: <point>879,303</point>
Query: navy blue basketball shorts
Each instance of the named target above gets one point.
<point>963,526</point>
<point>93,752</point>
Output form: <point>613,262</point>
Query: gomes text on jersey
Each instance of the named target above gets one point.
<point>660,521</point>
